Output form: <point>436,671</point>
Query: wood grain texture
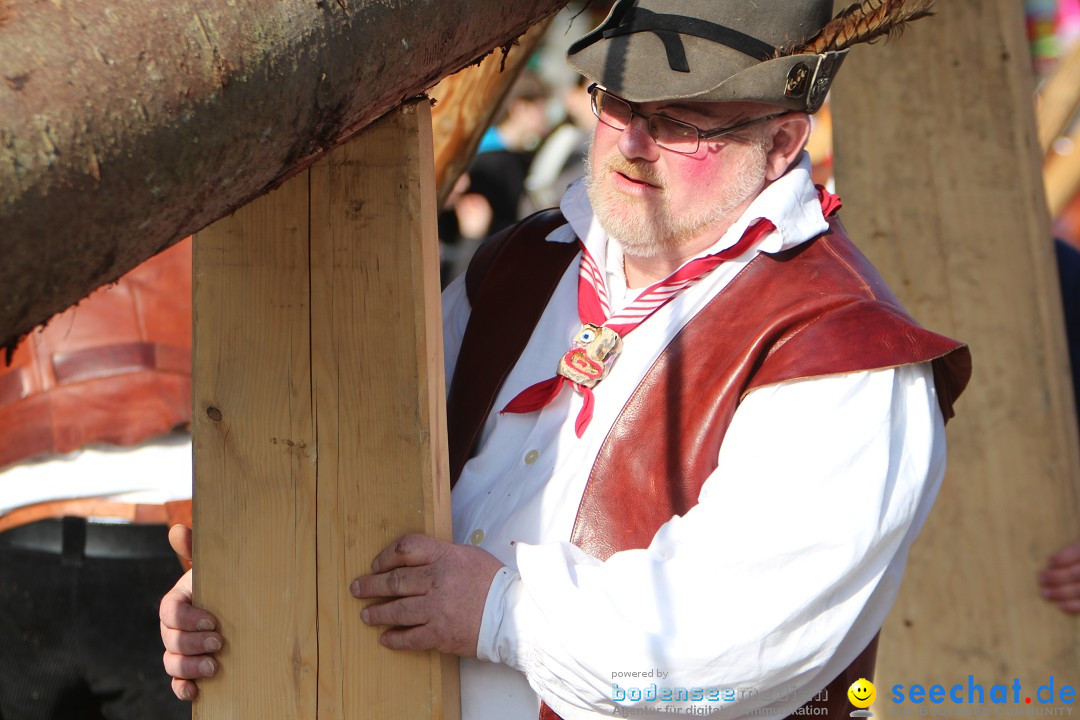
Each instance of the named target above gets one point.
<point>320,432</point>
<point>938,162</point>
<point>255,454</point>
<point>379,405</point>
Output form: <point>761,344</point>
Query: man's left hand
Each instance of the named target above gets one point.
<point>437,592</point>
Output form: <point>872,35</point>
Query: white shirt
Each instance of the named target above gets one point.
<point>764,591</point>
<point>156,471</point>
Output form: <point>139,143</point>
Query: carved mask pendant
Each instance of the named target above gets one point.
<point>592,353</point>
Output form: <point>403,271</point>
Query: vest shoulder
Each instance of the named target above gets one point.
<point>516,249</point>
<point>838,315</point>
<point>834,266</point>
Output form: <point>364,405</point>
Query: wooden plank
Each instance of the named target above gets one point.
<point>320,431</point>
<point>254,458</point>
<point>379,405</point>
<point>938,162</point>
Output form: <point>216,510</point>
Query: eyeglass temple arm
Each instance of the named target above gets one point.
<point>740,126</point>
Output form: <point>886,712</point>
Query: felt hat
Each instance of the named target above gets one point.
<point>711,51</point>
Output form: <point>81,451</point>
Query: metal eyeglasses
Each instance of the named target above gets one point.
<point>668,133</point>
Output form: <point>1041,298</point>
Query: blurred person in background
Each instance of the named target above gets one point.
<point>95,464</point>
<point>488,195</point>
<point>560,160</point>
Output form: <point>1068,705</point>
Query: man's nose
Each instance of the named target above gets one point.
<point>636,141</point>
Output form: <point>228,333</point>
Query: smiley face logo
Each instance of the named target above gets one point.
<point>861,693</point>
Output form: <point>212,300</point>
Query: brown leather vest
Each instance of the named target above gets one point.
<point>114,369</point>
<point>817,309</point>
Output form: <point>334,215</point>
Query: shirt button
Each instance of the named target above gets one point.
<point>477,537</point>
<point>530,457</point>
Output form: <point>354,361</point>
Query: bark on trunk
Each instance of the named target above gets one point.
<point>126,125</point>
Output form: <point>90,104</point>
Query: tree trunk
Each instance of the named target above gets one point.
<point>126,125</point>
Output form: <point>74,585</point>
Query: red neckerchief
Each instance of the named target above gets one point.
<point>587,369</point>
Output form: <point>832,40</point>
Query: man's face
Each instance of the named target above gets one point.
<point>654,201</point>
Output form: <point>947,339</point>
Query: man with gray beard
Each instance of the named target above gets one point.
<point>692,433</point>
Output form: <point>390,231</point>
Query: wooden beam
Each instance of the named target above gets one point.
<point>321,432</point>
<point>377,366</point>
<point>255,457</point>
<point>128,125</point>
<point>939,165</point>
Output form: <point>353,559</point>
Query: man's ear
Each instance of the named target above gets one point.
<point>787,139</point>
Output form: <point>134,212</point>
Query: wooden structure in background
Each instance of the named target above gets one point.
<point>1062,176</point>
<point>466,102</point>
<point>320,430</point>
<point>938,162</point>
<point>1059,100</point>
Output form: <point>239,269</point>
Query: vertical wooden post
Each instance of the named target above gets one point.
<point>254,456</point>
<point>938,162</point>
<point>321,433</point>
<point>377,367</point>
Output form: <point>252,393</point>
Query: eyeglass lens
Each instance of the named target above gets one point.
<point>667,133</point>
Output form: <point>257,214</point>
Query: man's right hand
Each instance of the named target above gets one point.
<point>187,632</point>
